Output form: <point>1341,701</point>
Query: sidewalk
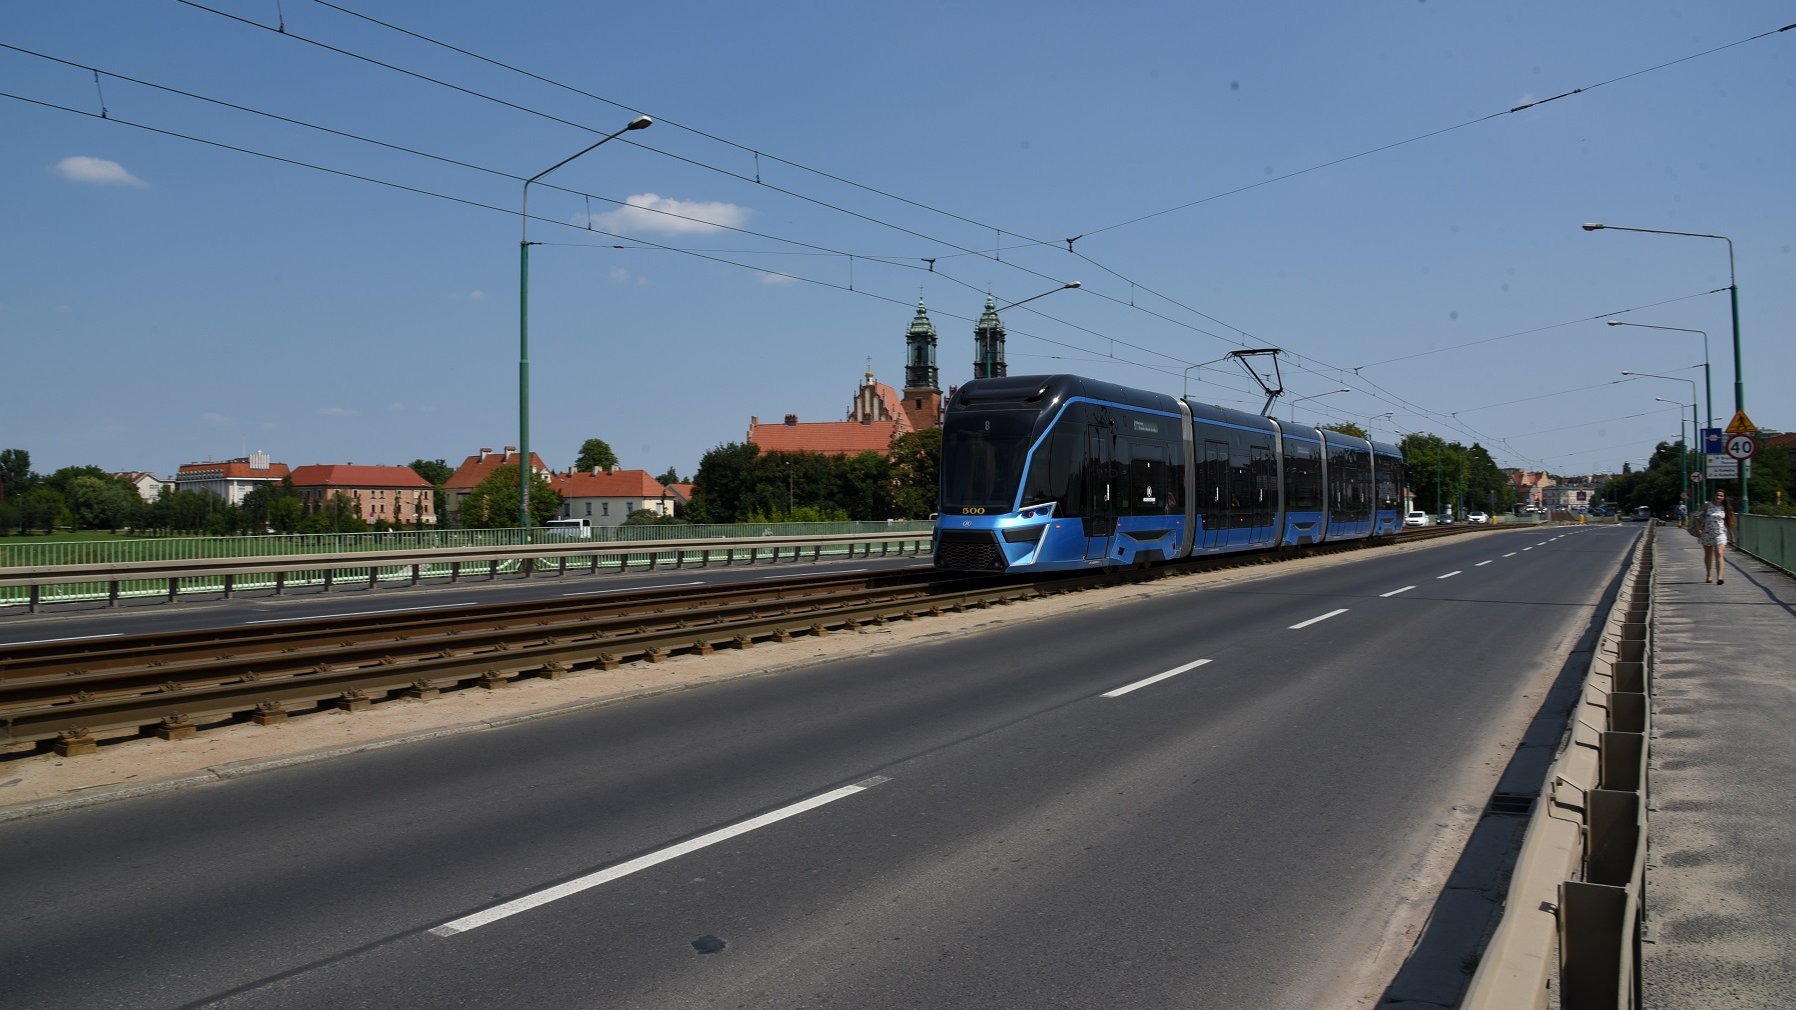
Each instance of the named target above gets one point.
<point>1721,828</point>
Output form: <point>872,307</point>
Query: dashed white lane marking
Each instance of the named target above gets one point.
<point>591,880</point>
<point>1448,575</point>
<point>1511,554</point>
<point>1313,620</point>
<point>1155,679</point>
<point>1481,564</point>
<point>1394,592</point>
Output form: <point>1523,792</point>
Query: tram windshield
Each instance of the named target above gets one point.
<point>982,459</point>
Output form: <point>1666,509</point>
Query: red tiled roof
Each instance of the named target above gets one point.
<point>681,491</point>
<point>828,438</point>
<point>348,475</point>
<point>473,470</point>
<point>618,484</point>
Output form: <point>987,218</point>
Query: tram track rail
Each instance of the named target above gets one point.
<point>67,696</point>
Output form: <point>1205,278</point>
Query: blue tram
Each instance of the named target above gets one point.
<point>1062,472</point>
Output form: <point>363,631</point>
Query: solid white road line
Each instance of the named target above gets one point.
<point>591,880</point>
<point>1313,620</point>
<point>636,589</point>
<point>1394,592</point>
<point>1155,679</point>
<point>77,638</point>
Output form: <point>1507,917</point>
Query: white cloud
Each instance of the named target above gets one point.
<point>98,171</point>
<point>338,411</point>
<point>210,417</point>
<point>649,212</point>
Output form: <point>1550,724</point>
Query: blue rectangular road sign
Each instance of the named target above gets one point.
<point>1714,443</point>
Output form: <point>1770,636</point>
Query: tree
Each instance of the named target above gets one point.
<point>1347,428</point>
<point>42,508</point>
<point>671,476</point>
<point>650,517</point>
<point>99,503</point>
<point>594,452</point>
<point>437,473</point>
<point>916,458</point>
<point>493,503</point>
<point>336,514</point>
<point>726,476</point>
<point>16,477</point>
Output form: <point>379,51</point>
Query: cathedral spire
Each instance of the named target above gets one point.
<point>988,341</point>
<point>919,351</point>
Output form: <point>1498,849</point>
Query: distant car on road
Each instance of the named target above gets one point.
<point>1477,518</point>
<point>1444,519</point>
<point>1415,517</point>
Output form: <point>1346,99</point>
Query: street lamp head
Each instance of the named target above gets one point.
<point>1074,284</point>
<point>1593,226</point>
<point>640,123</point>
<point>1616,322</point>
<point>1626,372</point>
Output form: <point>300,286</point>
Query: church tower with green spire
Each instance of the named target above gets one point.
<point>922,380</point>
<point>988,339</point>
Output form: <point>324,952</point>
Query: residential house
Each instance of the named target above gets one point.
<point>477,468</point>
<point>395,494</point>
<point>607,497</point>
<point>149,487</point>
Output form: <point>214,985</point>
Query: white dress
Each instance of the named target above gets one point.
<point>1714,525</point>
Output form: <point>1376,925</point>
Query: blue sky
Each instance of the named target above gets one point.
<point>1342,181</point>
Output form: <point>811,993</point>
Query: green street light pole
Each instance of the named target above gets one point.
<point>1314,396</point>
<point>1670,378</point>
<point>1708,386</point>
<point>1733,294</point>
<point>639,123</point>
<point>1684,450</point>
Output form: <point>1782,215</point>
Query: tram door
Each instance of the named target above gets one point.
<point>1101,490</point>
<point>1214,494</point>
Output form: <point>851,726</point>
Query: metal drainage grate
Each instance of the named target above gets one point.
<point>1511,804</point>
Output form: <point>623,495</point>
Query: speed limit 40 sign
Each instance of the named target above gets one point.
<point>1741,446</point>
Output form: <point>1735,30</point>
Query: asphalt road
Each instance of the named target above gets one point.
<point>984,820</point>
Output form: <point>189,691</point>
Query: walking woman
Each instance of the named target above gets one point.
<point>1717,519</point>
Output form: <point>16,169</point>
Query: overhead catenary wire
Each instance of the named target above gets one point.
<point>1298,361</point>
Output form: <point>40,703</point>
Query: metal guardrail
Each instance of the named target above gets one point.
<point>1771,539</point>
<point>36,585</point>
<point>1571,921</point>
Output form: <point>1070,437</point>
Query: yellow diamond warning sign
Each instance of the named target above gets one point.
<point>1741,424</point>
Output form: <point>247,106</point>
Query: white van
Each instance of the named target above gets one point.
<point>569,529</point>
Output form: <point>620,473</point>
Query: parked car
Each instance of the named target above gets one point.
<point>1444,519</point>
<point>1477,518</point>
<point>1415,517</point>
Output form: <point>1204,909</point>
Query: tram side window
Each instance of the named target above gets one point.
<point>1390,484</point>
<point>1265,482</point>
<point>1303,474</point>
<point>1056,471</point>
